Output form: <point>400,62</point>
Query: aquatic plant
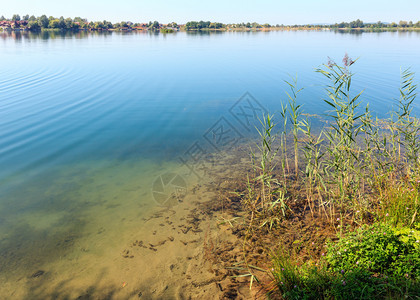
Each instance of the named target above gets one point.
<point>265,195</point>
<point>313,153</point>
<point>295,112</point>
<point>343,150</point>
<point>358,168</point>
<point>408,127</point>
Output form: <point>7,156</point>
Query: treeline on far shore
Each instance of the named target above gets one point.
<point>32,23</point>
<point>43,22</point>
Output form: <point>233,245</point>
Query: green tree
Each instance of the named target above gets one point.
<point>107,25</point>
<point>61,23</point>
<point>43,21</point>
<point>68,23</point>
<point>198,25</point>
<point>79,20</point>
<point>25,18</point>
<point>33,26</point>
<point>2,18</point>
<point>98,26</point>
<point>403,24</point>
<point>154,25</point>
<point>191,25</point>
<point>16,18</point>
<point>32,18</point>
<point>356,24</point>
<point>54,24</point>
<point>343,25</point>
<point>216,25</point>
<point>204,24</point>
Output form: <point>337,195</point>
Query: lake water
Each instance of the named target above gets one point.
<point>90,125</point>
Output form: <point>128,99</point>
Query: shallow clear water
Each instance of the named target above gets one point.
<point>88,122</point>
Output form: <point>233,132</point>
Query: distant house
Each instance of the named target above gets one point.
<point>6,25</point>
<point>16,25</point>
<point>142,26</point>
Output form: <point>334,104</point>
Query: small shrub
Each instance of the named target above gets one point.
<point>373,262</point>
<point>380,249</point>
<point>166,30</point>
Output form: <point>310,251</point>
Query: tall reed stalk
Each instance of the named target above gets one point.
<point>313,154</point>
<point>407,126</point>
<point>343,149</point>
<point>295,112</point>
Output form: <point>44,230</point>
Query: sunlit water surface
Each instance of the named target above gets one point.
<point>88,122</point>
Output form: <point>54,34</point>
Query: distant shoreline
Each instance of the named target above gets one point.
<point>291,28</point>
<point>44,23</point>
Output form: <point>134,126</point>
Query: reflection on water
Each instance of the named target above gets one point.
<point>58,34</point>
<point>54,34</point>
<point>89,121</point>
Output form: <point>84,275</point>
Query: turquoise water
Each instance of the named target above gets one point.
<point>89,121</point>
<point>144,95</point>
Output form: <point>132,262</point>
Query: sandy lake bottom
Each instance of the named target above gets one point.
<point>98,232</point>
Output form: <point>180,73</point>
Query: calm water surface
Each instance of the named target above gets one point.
<point>89,121</point>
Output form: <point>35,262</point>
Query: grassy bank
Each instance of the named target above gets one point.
<point>333,214</point>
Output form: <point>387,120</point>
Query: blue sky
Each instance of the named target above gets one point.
<point>226,11</point>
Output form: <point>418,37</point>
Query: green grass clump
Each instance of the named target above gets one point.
<point>310,282</point>
<point>374,262</point>
<point>380,249</point>
<point>400,202</point>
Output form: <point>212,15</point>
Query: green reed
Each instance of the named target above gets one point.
<point>283,141</point>
<point>271,195</point>
<point>358,166</point>
<point>295,112</point>
<point>408,128</point>
<point>352,165</point>
<point>343,150</point>
<point>313,153</point>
